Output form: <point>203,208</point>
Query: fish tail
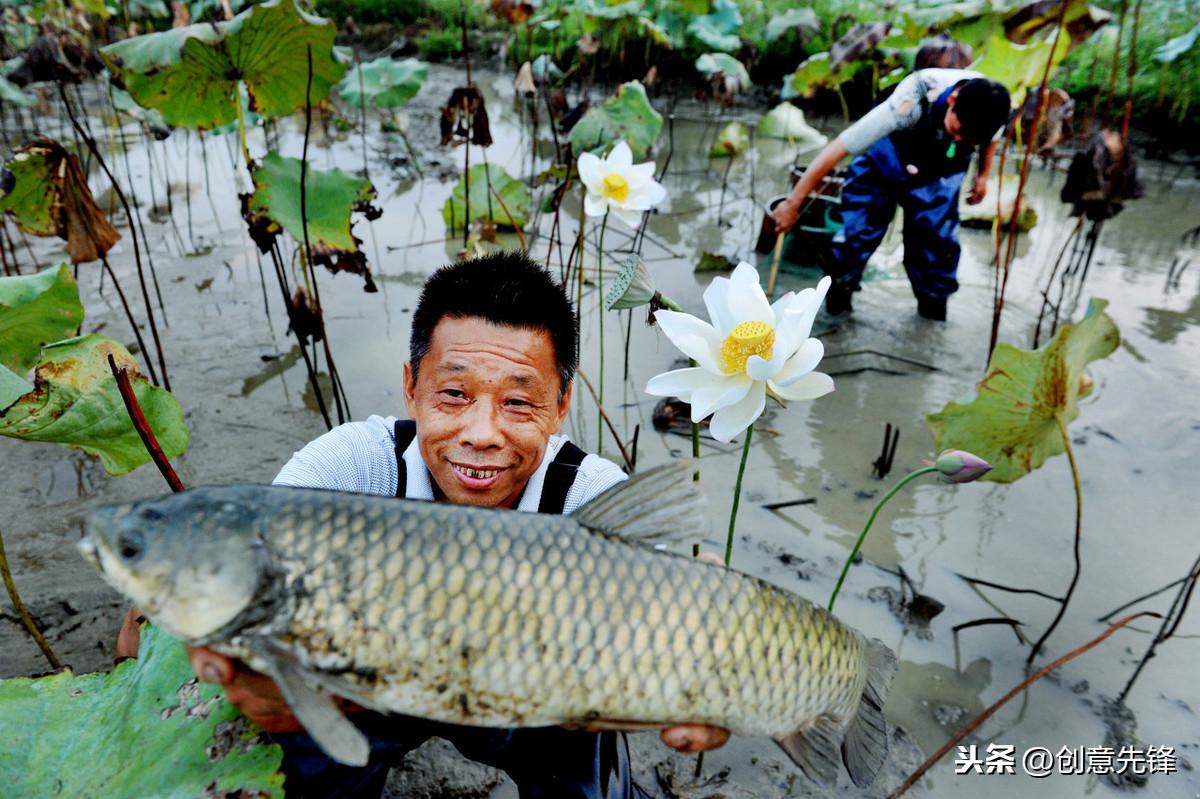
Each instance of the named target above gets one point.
<point>862,742</point>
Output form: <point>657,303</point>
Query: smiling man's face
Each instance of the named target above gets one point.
<point>486,401</point>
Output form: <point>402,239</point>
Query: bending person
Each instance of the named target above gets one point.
<point>911,150</point>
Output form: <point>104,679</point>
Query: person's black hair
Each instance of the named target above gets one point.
<point>983,107</point>
<point>504,288</point>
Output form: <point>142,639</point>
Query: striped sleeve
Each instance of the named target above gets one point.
<point>356,456</point>
<point>595,476</point>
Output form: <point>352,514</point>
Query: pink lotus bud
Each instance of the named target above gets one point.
<point>956,466</point>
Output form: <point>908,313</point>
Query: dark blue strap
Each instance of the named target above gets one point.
<point>405,432</point>
<point>560,476</point>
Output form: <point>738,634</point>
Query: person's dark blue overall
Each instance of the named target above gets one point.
<point>921,169</point>
<point>545,763</point>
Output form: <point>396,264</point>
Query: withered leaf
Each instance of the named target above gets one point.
<point>48,195</point>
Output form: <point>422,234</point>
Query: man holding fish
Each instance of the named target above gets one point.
<point>496,629</point>
<point>487,387</point>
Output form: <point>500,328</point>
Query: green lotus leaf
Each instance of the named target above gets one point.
<point>147,728</point>
<point>657,33</point>
<point>33,196</point>
<point>1174,48</point>
<point>330,196</point>
<point>513,196</point>
<point>718,30</point>
<point>938,15</point>
<point>626,115</point>
<point>733,140</point>
<point>815,72</point>
<point>603,10</point>
<point>151,117</point>
<point>804,19</point>
<point>710,64</point>
<point>12,387</point>
<point>145,8</point>
<point>1013,421</point>
<point>36,310</point>
<point>673,20</point>
<point>75,401</point>
<point>786,121</point>
<point>249,118</point>
<point>268,45</point>
<point>49,196</point>
<point>544,69</point>
<point>53,10</point>
<point>11,94</point>
<point>182,73</point>
<point>190,74</point>
<point>1020,66</point>
<point>383,82</point>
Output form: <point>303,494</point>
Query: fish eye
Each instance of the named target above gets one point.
<point>152,515</point>
<point>130,545</point>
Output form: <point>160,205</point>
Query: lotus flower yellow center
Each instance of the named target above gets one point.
<point>748,338</point>
<point>616,187</point>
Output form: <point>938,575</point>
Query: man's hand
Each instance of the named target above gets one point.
<point>978,190</point>
<point>784,215</point>
<point>256,695</point>
<point>697,737</point>
<point>694,737</point>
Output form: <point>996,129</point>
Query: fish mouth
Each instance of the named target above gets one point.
<point>478,478</point>
<point>87,548</point>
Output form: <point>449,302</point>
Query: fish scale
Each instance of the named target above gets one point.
<point>552,640</point>
<point>498,618</point>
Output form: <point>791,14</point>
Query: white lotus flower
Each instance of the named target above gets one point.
<point>750,348</point>
<point>616,184</point>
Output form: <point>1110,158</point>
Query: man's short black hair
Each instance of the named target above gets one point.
<point>983,107</point>
<point>504,288</point>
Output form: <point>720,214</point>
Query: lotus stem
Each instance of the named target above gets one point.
<point>1170,623</point>
<point>695,440</point>
<point>629,461</point>
<point>1062,609</point>
<point>140,423</point>
<point>987,714</point>
<point>779,237</point>
<point>11,586</point>
<point>241,122</point>
<point>129,215</point>
<point>737,495</point>
<point>600,315</point>
<point>342,405</point>
<point>511,219</point>
<point>1010,251</point>
<point>908,478</point>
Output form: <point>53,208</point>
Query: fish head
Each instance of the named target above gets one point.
<point>192,562</point>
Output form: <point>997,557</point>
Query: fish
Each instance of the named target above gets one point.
<point>498,618</point>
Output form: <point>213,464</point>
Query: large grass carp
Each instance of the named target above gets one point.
<point>498,618</point>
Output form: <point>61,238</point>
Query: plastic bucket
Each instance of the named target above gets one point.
<point>807,244</point>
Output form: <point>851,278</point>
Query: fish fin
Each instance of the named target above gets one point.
<point>662,503</point>
<point>322,719</point>
<point>814,748</point>
<point>865,746</point>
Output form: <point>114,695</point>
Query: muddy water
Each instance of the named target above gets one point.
<point>243,386</point>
